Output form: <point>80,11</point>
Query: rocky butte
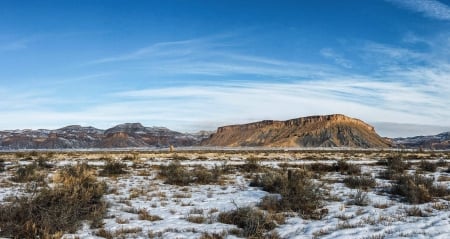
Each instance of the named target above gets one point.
<point>314,131</point>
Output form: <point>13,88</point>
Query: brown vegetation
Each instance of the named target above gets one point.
<point>298,192</point>
<point>52,211</point>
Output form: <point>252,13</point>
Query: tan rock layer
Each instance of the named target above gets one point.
<point>314,131</point>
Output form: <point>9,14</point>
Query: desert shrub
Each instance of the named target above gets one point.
<point>415,212</point>
<point>177,174</point>
<point>272,181</point>
<point>360,198</point>
<point>298,192</point>
<point>428,166</point>
<point>2,165</point>
<point>43,163</point>
<point>50,212</point>
<point>252,164</point>
<point>113,168</point>
<point>395,167</point>
<point>441,163</point>
<point>129,157</point>
<point>321,167</point>
<point>27,173</point>
<point>347,168</point>
<point>20,155</point>
<point>202,175</point>
<point>362,182</point>
<point>253,222</point>
<point>34,153</point>
<point>418,189</point>
<point>177,157</point>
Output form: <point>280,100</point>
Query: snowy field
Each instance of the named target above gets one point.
<point>142,204</point>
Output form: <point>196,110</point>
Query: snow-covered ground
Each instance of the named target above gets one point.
<point>170,211</point>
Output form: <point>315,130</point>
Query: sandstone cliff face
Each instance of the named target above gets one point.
<point>314,131</point>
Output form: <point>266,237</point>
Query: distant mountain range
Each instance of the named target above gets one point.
<point>313,131</point>
<point>75,136</point>
<point>440,141</point>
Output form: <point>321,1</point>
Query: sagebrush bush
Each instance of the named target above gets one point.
<point>418,189</point>
<point>253,222</point>
<point>360,198</point>
<point>361,181</point>
<point>428,166</point>
<point>441,163</point>
<point>53,211</point>
<point>395,166</point>
<point>298,191</point>
<point>321,167</point>
<point>2,165</point>
<point>113,168</point>
<point>347,168</point>
<point>177,174</point>
<point>252,164</point>
<point>28,173</point>
<point>43,163</point>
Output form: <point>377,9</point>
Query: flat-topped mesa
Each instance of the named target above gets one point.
<point>298,122</point>
<point>314,131</point>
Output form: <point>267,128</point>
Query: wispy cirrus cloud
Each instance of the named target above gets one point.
<point>337,58</point>
<point>211,56</point>
<point>407,86</point>
<point>429,8</point>
<point>16,44</point>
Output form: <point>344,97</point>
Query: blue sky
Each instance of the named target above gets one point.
<point>191,65</point>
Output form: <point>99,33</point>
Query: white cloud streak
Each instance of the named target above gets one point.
<point>429,8</point>
<point>255,88</point>
<point>338,59</point>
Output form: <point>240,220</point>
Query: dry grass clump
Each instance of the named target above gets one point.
<point>50,212</point>
<point>361,181</point>
<point>177,174</point>
<point>113,168</point>
<point>199,219</point>
<point>206,235</point>
<point>253,223</point>
<point>297,192</point>
<point>415,212</point>
<point>418,189</point>
<point>145,215</point>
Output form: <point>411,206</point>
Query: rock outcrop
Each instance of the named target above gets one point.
<point>314,131</point>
